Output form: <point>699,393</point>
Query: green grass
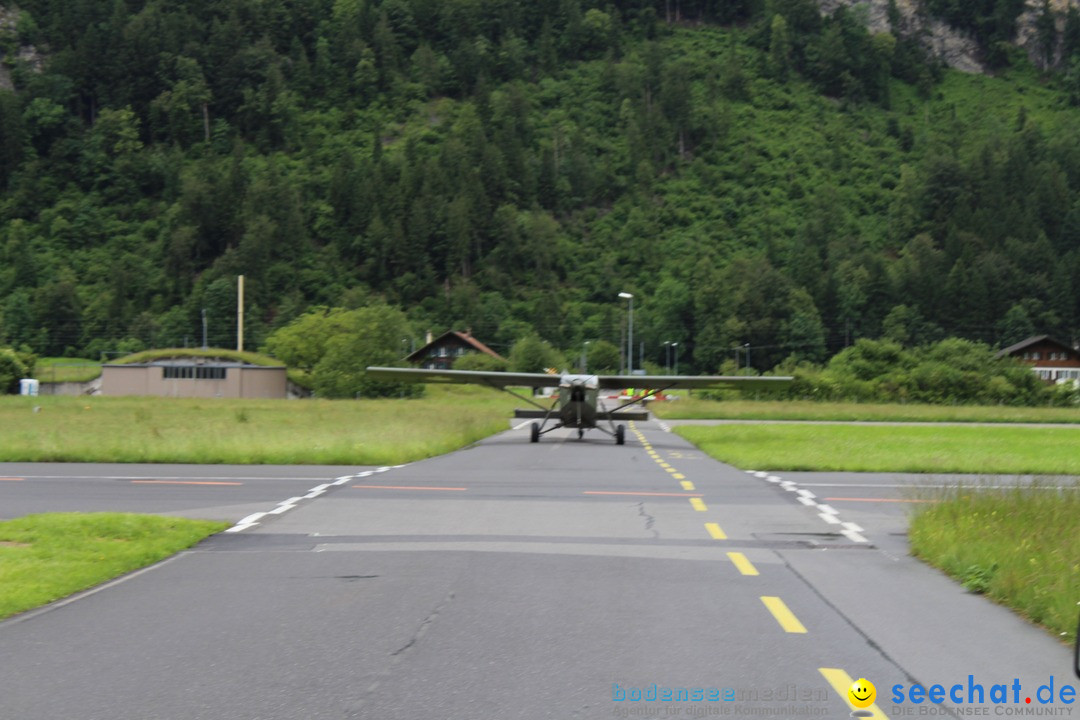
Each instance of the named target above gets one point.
<point>1019,547</point>
<point>338,432</point>
<point>216,353</point>
<point>862,448</point>
<point>697,409</point>
<point>65,369</point>
<point>47,557</point>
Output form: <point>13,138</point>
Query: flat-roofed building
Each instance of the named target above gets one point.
<point>194,377</point>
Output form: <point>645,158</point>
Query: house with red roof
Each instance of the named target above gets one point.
<point>441,353</point>
<point>1052,360</point>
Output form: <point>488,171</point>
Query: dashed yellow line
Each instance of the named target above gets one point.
<point>840,682</point>
<point>679,476</point>
<point>686,484</point>
<point>785,617</point>
<point>715,531</point>
<point>742,564</point>
<point>663,464</point>
<point>698,504</point>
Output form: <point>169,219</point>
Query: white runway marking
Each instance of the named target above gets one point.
<point>286,505</point>
<point>826,512</point>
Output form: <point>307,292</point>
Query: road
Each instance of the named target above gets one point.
<point>511,580</point>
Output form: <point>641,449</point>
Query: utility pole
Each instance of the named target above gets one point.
<point>204,346</point>
<point>630,334</point>
<point>240,313</point>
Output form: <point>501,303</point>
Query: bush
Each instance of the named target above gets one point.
<point>481,362</point>
<point>949,371</point>
<point>336,346</point>
<point>13,367</point>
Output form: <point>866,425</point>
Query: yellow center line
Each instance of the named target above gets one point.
<point>663,464</point>
<point>698,504</point>
<point>678,476</point>
<point>715,531</point>
<point>686,484</point>
<point>672,471</point>
<point>744,566</point>
<point>841,682</point>
<point>785,617</point>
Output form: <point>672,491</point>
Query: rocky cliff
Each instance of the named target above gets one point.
<point>10,49</point>
<point>957,49</point>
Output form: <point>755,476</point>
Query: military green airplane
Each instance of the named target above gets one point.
<point>578,405</point>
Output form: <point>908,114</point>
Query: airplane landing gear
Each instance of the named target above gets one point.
<point>534,432</point>
<point>620,435</point>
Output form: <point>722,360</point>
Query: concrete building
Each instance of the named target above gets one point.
<point>194,377</point>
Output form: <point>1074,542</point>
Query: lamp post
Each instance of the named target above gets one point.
<point>585,357</point>
<point>630,332</point>
<point>747,346</point>
<point>676,346</point>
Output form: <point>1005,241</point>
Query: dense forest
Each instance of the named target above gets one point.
<point>758,175</point>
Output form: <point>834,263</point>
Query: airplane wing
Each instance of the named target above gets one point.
<point>692,382</point>
<point>606,382</point>
<point>474,377</point>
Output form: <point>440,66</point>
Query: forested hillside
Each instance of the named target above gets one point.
<point>754,173</point>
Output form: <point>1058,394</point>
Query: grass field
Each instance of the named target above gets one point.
<point>66,369</point>
<point>693,408</point>
<point>47,557</point>
<point>874,448</point>
<point>1018,546</point>
<point>336,432</point>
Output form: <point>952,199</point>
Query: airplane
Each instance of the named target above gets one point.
<point>578,405</point>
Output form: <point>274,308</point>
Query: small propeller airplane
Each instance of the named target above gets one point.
<point>578,404</point>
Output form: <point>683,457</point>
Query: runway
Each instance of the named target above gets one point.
<point>510,580</point>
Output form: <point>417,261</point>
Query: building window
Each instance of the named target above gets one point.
<point>189,372</point>
<point>1036,356</point>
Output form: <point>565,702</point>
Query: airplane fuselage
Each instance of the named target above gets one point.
<point>578,397</point>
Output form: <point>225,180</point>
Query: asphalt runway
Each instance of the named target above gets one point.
<point>563,579</point>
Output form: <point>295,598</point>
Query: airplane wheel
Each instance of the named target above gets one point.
<point>620,435</point>
<point>534,433</point>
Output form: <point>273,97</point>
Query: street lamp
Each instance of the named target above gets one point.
<point>747,346</point>
<point>630,339</point>
<point>676,346</point>
<point>585,357</point>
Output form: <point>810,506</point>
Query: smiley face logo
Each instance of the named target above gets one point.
<point>862,692</point>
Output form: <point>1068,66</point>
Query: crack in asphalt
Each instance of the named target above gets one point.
<point>397,656</point>
<point>649,519</point>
